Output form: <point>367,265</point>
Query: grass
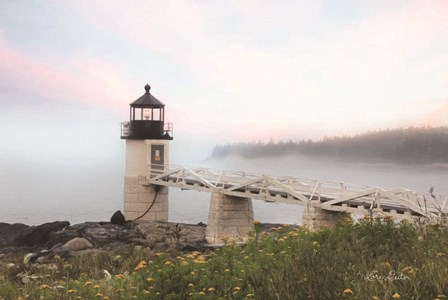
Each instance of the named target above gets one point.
<point>372,259</point>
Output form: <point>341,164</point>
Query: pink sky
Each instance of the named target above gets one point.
<point>233,71</point>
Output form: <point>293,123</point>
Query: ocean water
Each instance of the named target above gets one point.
<point>38,192</point>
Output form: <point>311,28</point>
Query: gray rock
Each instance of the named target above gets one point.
<point>77,244</point>
<point>37,235</point>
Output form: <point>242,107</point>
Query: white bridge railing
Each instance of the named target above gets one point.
<point>334,196</point>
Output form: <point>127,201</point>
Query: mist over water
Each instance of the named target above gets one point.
<point>38,192</point>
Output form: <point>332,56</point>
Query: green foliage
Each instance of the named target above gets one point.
<point>418,145</point>
<point>371,258</point>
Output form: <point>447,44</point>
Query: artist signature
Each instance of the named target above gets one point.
<point>392,275</point>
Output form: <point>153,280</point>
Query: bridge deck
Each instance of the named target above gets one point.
<point>333,196</point>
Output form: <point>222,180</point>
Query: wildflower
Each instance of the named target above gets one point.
<point>119,276</point>
<point>396,296</point>
<point>246,257</point>
<point>19,298</point>
<point>201,293</point>
<point>146,292</point>
<point>227,270</point>
<point>250,295</point>
<point>88,283</point>
<point>283,252</point>
<point>256,222</point>
<point>260,250</point>
<point>158,254</point>
<point>439,254</point>
<point>141,265</point>
<point>281,239</point>
<point>237,288</point>
<point>44,286</point>
<point>348,292</point>
<point>190,285</point>
<point>107,275</point>
<point>106,298</point>
<point>211,289</point>
<point>168,263</point>
<point>99,295</point>
<point>149,279</point>
<point>71,291</point>
<point>375,298</point>
<point>96,286</point>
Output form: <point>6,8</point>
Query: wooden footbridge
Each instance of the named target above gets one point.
<point>325,195</point>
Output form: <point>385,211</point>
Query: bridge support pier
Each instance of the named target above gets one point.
<point>229,217</point>
<point>315,217</point>
<point>138,197</point>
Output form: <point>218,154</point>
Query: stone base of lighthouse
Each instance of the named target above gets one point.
<point>138,197</point>
<point>315,217</point>
<point>229,218</point>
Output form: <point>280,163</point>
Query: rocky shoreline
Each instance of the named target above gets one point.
<point>43,242</point>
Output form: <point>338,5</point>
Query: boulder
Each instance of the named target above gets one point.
<point>37,235</point>
<point>118,218</point>
<point>8,232</point>
<point>77,244</point>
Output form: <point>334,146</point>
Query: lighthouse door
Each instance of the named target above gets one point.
<point>157,157</point>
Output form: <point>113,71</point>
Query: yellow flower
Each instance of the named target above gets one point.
<point>211,289</point>
<point>19,298</point>
<point>440,254</point>
<point>227,270</point>
<point>119,276</point>
<point>146,292</point>
<point>190,285</point>
<point>88,283</point>
<point>237,288</point>
<point>96,286</point>
<point>44,286</point>
<point>149,279</point>
<point>71,291</point>
<point>158,254</point>
<point>106,298</point>
<point>140,265</point>
<point>348,292</point>
<point>250,295</point>
<point>201,293</point>
<point>168,263</point>
<point>375,298</point>
<point>396,296</point>
<point>99,295</point>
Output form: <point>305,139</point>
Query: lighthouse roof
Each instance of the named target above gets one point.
<point>147,100</point>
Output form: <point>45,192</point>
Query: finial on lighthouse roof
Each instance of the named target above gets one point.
<point>147,88</point>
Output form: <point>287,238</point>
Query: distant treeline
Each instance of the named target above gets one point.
<point>420,145</point>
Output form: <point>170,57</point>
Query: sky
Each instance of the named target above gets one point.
<point>227,71</point>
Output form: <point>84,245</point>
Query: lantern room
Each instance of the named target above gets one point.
<point>147,119</point>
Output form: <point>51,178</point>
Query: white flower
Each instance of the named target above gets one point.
<point>107,275</point>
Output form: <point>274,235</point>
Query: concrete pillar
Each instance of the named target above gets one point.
<point>315,217</point>
<point>138,196</point>
<point>229,217</point>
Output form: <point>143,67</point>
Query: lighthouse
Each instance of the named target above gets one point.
<point>147,152</point>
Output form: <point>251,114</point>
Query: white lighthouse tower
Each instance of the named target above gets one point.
<point>147,150</point>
